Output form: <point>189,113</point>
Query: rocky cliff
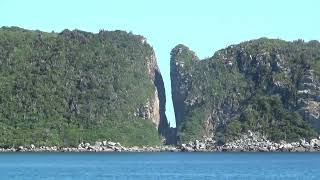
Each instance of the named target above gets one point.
<point>267,86</point>
<point>64,88</point>
<point>155,107</point>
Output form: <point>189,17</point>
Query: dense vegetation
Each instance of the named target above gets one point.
<point>262,85</point>
<point>64,88</point>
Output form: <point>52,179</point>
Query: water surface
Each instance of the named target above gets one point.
<point>146,166</point>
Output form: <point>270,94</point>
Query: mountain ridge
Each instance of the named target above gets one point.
<point>75,86</point>
<point>217,96</point>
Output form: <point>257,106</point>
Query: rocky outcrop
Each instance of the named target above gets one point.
<point>251,142</point>
<point>155,108</point>
<point>99,146</point>
<point>181,79</point>
<point>264,85</point>
<point>151,109</point>
<point>309,102</point>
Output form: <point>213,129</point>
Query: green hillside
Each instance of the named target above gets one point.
<point>65,88</point>
<point>267,85</point>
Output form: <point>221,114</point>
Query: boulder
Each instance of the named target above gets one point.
<point>55,148</point>
<point>263,149</point>
<point>117,149</point>
<point>202,146</point>
<point>188,149</point>
<point>86,145</point>
<point>106,149</point>
<point>20,148</point>
<point>299,149</point>
<point>190,144</point>
<point>81,145</point>
<point>98,143</point>
<point>315,142</point>
<point>295,144</point>
<point>32,146</point>
<point>272,148</point>
<point>288,146</point>
<point>196,142</point>
<point>110,143</point>
<point>304,143</point>
<point>94,148</point>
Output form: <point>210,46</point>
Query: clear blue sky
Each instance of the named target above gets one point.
<point>204,26</point>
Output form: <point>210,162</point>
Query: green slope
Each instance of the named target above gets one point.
<point>266,85</point>
<point>64,88</point>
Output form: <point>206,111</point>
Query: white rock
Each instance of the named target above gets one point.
<point>80,146</point>
<point>32,146</point>
<point>110,143</point>
<point>288,146</point>
<point>98,143</point>
<point>20,148</point>
<point>315,142</point>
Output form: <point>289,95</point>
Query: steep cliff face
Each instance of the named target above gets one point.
<point>309,99</point>
<point>151,108</point>
<point>264,85</point>
<point>73,86</point>
<point>182,60</point>
<point>155,107</point>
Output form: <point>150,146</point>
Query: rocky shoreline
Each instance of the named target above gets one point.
<point>104,146</point>
<point>251,142</point>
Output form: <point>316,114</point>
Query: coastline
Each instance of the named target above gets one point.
<point>251,142</point>
<point>150,150</point>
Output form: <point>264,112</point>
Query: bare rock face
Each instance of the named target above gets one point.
<point>154,104</point>
<point>154,108</point>
<point>151,110</point>
<point>308,93</point>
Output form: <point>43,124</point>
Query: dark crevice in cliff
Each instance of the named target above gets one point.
<point>164,128</point>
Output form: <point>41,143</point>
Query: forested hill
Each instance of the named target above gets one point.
<point>268,86</point>
<point>65,88</point>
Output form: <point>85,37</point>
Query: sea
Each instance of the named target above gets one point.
<point>149,166</point>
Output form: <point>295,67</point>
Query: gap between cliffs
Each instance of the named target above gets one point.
<point>164,129</point>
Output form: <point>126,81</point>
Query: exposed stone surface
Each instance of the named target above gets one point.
<point>155,108</point>
<point>103,146</point>
<point>309,92</point>
<point>252,142</point>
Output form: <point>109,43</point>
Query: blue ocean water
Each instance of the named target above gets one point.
<point>148,166</point>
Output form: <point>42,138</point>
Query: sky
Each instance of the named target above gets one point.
<point>205,26</point>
